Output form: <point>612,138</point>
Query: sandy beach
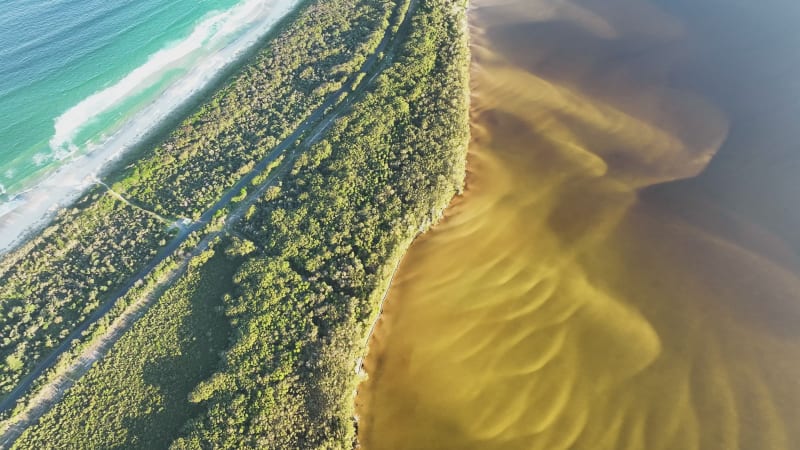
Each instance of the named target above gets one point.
<point>28,212</point>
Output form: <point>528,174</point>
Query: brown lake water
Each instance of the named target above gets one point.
<point>622,270</point>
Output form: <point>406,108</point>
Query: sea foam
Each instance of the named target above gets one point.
<point>213,32</point>
<point>225,36</point>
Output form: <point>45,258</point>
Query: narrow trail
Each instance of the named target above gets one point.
<point>122,199</point>
<point>314,126</point>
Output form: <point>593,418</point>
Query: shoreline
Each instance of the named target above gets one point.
<point>314,125</point>
<point>404,250</point>
<point>147,128</point>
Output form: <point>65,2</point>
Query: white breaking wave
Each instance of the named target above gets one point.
<point>40,159</point>
<point>225,36</point>
<point>9,206</point>
<point>213,32</point>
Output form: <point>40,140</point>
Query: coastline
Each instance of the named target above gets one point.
<point>40,204</point>
<point>403,250</point>
<point>313,126</point>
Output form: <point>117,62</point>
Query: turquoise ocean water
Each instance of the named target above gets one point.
<point>73,74</point>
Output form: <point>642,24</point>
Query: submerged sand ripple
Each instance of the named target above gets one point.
<point>556,307</point>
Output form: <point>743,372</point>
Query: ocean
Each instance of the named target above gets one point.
<point>78,78</point>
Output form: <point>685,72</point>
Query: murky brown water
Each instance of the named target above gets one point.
<point>622,272</point>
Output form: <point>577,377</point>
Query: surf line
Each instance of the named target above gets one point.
<point>235,32</point>
<point>220,30</point>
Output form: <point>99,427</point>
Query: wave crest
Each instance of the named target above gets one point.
<point>212,33</point>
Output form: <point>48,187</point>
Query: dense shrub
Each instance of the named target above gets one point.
<point>51,285</point>
<point>330,239</point>
<point>308,266</point>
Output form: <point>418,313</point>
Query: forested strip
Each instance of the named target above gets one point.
<point>58,279</point>
<point>329,239</point>
<point>316,254</point>
<point>48,287</point>
<point>137,396</point>
<point>322,49</point>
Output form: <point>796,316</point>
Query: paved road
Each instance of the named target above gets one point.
<point>315,125</point>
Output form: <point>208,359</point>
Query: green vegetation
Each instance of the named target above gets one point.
<point>137,396</point>
<point>50,286</point>
<point>322,49</point>
<point>305,268</point>
<point>54,282</point>
<point>330,240</point>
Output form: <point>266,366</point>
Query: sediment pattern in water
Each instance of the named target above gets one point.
<point>579,295</point>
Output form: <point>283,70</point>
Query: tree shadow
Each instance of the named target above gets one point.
<point>204,336</point>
